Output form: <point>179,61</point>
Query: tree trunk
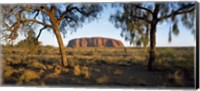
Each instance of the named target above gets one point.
<point>152,46</point>
<point>55,25</point>
<point>153,37</point>
<point>61,45</point>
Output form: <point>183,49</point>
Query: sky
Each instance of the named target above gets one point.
<point>104,28</point>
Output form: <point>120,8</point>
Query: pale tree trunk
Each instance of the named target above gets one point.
<point>61,45</point>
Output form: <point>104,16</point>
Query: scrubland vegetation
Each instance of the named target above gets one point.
<point>174,67</point>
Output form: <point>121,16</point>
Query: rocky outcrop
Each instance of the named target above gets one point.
<point>95,42</point>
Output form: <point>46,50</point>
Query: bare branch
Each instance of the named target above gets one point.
<point>40,9</point>
<point>40,33</point>
<point>37,13</point>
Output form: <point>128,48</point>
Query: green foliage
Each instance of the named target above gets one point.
<point>30,41</point>
<point>135,19</point>
<point>69,16</point>
<point>170,36</point>
<point>175,29</point>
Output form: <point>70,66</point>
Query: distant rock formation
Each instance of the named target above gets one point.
<point>95,42</point>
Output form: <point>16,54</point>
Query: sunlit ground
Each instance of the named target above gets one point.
<point>98,67</point>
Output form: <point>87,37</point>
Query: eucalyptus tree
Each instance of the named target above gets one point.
<point>139,21</point>
<point>58,18</point>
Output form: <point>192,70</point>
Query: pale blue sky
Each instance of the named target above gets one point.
<point>104,28</point>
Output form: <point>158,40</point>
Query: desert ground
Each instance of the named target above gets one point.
<point>103,67</point>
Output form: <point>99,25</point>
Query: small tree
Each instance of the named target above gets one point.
<point>139,21</point>
<point>58,18</point>
<point>30,41</point>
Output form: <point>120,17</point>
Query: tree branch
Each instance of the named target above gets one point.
<point>40,9</point>
<point>143,8</point>
<point>45,7</point>
<point>81,11</point>
<point>52,8</point>
<point>186,7</point>
<point>7,26</point>
<point>40,33</point>
<point>37,13</point>
<point>72,19</point>
<point>36,21</point>
<point>11,11</point>
<point>64,13</point>
<point>142,18</point>
<point>179,11</point>
<point>13,27</point>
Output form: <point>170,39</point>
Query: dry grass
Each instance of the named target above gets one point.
<point>176,77</point>
<point>65,70</point>
<point>85,72</point>
<point>102,80</point>
<point>118,72</point>
<point>49,67</point>
<point>8,73</point>
<point>77,70</point>
<point>29,75</point>
<point>37,65</point>
<point>86,66</point>
<point>51,75</point>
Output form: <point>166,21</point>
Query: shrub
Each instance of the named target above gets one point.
<point>8,73</point>
<point>85,72</point>
<point>77,70</point>
<point>37,65</point>
<point>29,75</point>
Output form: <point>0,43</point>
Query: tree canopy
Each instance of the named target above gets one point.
<point>139,21</point>
<point>17,18</point>
<point>134,19</point>
<point>58,18</point>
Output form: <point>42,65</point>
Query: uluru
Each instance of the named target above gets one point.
<point>95,42</point>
